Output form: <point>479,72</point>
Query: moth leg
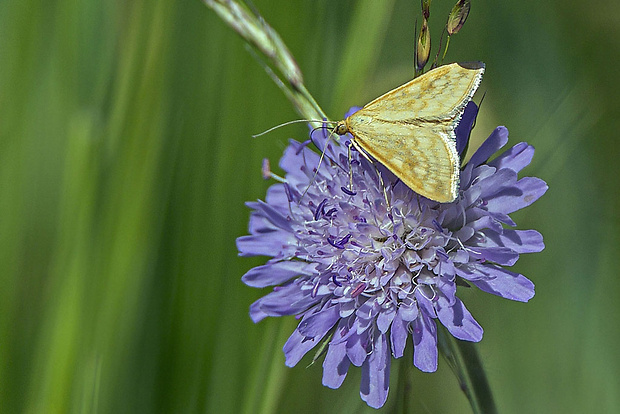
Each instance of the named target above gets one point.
<point>361,151</point>
<point>318,167</point>
<point>387,202</point>
<point>350,168</point>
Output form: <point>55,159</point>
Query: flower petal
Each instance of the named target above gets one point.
<point>525,192</point>
<point>385,318</point>
<point>294,161</point>
<point>459,321</point>
<point>500,255</point>
<point>276,273</point>
<point>424,344</point>
<point>484,222</point>
<point>398,336</point>
<point>521,241</point>
<point>317,324</point>
<point>296,347</point>
<point>277,198</point>
<point>258,223</point>
<point>351,111</point>
<point>464,127</point>
<point>335,365</point>
<point>356,351</point>
<point>375,382</point>
<point>516,158</point>
<point>274,216</point>
<point>273,243</point>
<point>497,139</point>
<point>502,180</point>
<point>284,300</point>
<point>501,282</point>
<point>425,302</point>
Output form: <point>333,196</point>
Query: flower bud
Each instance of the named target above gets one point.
<point>423,49</point>
<point>458,15</point>
<point>426,9</point>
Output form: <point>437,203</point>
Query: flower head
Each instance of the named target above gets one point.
<point>365,274</point>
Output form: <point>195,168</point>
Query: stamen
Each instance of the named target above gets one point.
<point>302,146</point>
<point>288,192</point>
<point>358,290</point>
<point>437,226</point>
<point>356,244</point>
<point>267,173</point>
<point>315,290</point>
<point>333,243</point>
<point>420,288</point>
<point>320,210</point>
<point>266,170</point>
<point>467,249</point>
<point>330,212</point>
<point>339,244</point>
<point>344,240</point>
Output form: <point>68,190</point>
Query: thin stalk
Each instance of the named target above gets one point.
<point>465,362</point>
<point>285,72</point>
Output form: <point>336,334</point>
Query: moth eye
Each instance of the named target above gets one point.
<point>341,129</point>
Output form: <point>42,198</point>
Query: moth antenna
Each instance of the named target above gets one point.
<point>479,106</point>
<point>326,141</point>
<point>473,125</point>
<point>415,48</point>
<point>289,123</point>
<point>434,65</point>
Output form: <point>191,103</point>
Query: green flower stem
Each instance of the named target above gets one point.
<point>257,33</point>
<point>465,362</point>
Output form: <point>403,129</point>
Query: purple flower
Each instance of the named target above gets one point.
<point>366,276</point>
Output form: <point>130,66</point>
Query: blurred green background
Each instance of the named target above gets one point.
<point>126,157</point>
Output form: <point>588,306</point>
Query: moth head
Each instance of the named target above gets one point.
<point>341,128</point>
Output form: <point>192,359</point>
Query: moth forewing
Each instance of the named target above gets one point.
<point>441,93</point>
<point>411,129</point>
<point>423,156</point>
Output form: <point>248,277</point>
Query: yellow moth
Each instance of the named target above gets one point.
<point>411,129</point>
